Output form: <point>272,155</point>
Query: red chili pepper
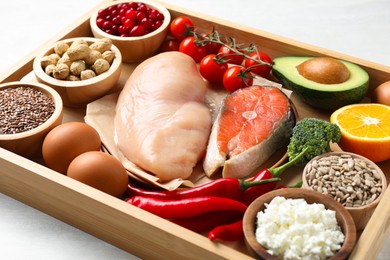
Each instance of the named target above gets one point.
<point>252,193</point>
<point>185,207</point>
<point>208,221</point>
<point>224,187</point>
<point>229,232</point>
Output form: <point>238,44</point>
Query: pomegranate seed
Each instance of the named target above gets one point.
<point>110,9</point>
<point>129,23</point>
<point>156,25</point>
<point>129,19</point>
<point>109,31</point>
<point>137,31</point>
<point>133,5</point>
<point>140,16</point>
<point>146,23</point>
<point>117,20</point>
<point>123,19</point>
<point>114,12</point>
<point>122,12</point>
<point>142,8</point>
<point>122,30</point>
<point>159,16</point>
<point>114,29</point>
<point>131,14</point>
<point>100,22</point>
<point>153,14</point>
<point>102,13</point>
<point>107,25</point>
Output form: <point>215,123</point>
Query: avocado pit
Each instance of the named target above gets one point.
<point>324,70</point>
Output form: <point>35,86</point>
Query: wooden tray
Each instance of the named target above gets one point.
<point>134,230</point>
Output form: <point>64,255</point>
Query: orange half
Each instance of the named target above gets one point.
<point>365,130</point>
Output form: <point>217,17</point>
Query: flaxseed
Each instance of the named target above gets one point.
<point>23,108</point>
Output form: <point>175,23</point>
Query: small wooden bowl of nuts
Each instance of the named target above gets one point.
<point>28,112</point>
<point>351,179</point>
<point>295,223</point>
<point>81,69</point>
<point>138,28</point>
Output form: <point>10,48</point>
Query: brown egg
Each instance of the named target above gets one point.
<point>382,94</point>
<point>65,142</point>
<point>101,171</point>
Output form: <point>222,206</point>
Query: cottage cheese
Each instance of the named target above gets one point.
<point>294,229</point>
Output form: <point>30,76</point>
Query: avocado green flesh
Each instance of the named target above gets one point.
<point>326,96</point>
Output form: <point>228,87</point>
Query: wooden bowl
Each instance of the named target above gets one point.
<point>361,214</point>
<point>344,219</point>
<point>80,93</point>
<point>29,143</point>
<point>135,49</point>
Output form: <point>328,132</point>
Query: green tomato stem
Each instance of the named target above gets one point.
<point>214,37</point>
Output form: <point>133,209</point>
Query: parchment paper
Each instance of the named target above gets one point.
<point>100,115</point>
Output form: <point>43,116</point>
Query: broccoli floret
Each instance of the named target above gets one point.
<point>310,137</point>
<point>313,134</point>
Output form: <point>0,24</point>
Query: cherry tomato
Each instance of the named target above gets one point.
<point>230,55</point>
<point>258,68</point>
<point>211,47</point>
<point>189,47</point>
<point>211,69</point>
<point>236,77</point>
<point>180,27</point>
<point>169,45</point>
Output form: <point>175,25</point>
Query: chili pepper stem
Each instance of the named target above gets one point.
<point>247,184</point>
<point>276,172</point>
<point>296,185</point>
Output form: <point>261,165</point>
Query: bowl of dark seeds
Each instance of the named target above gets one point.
<point>28,111</point>
<point>353,180</point>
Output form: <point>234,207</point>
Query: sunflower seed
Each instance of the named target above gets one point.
<point>349,180</point>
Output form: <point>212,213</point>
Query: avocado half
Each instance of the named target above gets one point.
<point>323,96</point>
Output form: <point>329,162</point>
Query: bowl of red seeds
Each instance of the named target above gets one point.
<point>137,28</point>
<point>28,111</point>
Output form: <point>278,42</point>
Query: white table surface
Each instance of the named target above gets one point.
<point>358,28</point>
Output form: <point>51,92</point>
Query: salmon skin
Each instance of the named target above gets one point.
<point>251,125</point>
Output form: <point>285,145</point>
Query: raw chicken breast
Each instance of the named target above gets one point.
<point>161,123</point>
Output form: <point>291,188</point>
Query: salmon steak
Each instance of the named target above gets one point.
<point>251,125</point>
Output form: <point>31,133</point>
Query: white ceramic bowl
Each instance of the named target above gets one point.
<point>29,143</point>
<point>135,49</point>
<point>80,93</point>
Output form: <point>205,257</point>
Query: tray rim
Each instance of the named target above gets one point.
<point>368,246</point>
